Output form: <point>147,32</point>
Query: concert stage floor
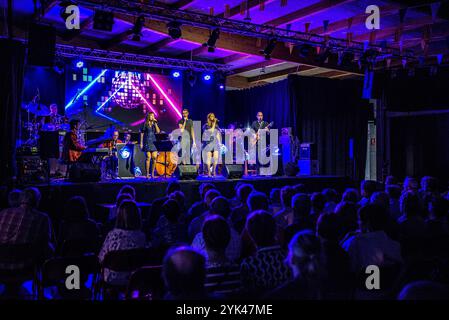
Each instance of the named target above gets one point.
<point>56,193</point>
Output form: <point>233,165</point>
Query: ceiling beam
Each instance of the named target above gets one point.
<point>236,9</point>
<point>156,46</point>
<point>306,12</point>
<point>279,73</point>
<point>116,39</point>
<point>231,58</point>
<point>181,4</point>
<point>257,65</point>
<point>70,34</point>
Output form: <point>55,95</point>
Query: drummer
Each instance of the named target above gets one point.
<point>53,121</point>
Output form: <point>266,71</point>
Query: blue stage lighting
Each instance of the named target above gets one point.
<point>207,77</point>
<point>124,153</point>
<point>176,74</point>
<point>221,87</point>
<point>79,64</point>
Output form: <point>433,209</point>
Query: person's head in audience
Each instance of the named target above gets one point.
<point>171,210</point>
<point>30,198</point>
<point>237,186</point>
<point>179,197</point>
<point>127,189</point>
<point>394,191</point>
<point>299,188</point>
<point>409,204</point>
<point>287,194</point>
<point>410,184</point>
<point>210,196</point>
<point>14,198</point>
<point>257,201</point>
<point>76,209</point>
<point>301,205</point>
<point>391,180</point>
<point>217,235</point>
<point>429,184</point>
<point>372,218</point>
<point>184,273</point>
<point>172,187</point>
<point>204,187</point>
<point>261,227</point>
<point>424,290</point>
<point>367,188</point>
<point>330,195</point>
<point>220,206</point>
<point>128,216</point>
<point>347,212</point>
<point>318,202</point>
<point>304,255</point>
<point>243,192</point>
<point>380,198</point>
<point>122,197</point>
<point>351,195</point>
<point>329,227</point>
<point>438,208</point>
<point>275,196</point>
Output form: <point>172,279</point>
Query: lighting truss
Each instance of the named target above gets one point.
<point>154,12</point>
<point>122,58</point>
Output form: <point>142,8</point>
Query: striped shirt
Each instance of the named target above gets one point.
<point>223,279</point>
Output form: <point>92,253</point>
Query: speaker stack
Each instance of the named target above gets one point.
<point>307,163</point>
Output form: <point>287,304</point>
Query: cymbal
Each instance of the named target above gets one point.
<point>37,109</point>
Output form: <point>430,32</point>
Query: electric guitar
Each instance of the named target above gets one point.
<point>257,137</point>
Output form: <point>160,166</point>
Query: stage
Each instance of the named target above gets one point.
<point>56,193</point>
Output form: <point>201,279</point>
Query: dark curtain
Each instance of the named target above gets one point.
<point>11,85</point>
<point>272,99</point>
<point>331,113</point>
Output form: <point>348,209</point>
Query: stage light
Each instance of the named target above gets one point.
<point>221,86</point>
<point>137,29</point>
<point>210,44</point>
<point>124,153</point>
<point>174,30</point>
<point>103,20</point>
<point>207,77</point>
<point>176,74</point>
<point>269,48</point>
<point>79,64</point>
<point>137,172</point>
<point>306,50</point>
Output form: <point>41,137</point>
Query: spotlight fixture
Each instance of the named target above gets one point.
<point>221,86</point>
<point>269,48</point>
<point>176,74</point>
<point>137,29</point>
<point>210,44</point>
<point>79,64</point>
<point>207,77</point>
<point>306,50</point>
<point>103,20</point>
<point>174,29</point>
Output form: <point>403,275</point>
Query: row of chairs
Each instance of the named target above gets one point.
<point>144,265</point>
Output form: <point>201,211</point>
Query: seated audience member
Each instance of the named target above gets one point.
<point>424,290</point>
<point>331,198</point>
<point>372,246</point>
<point>197,223</point>
<point>113,211</point>
<point>172,231</point>
<point>239,213</point>
<point>411,222</point>
<point>180,198</point>
<point>127,234</point>
<point>266,269</point>
<point>367,188</point>
<point>347,212</point>
<point>184,273</point>
<point>257,201</point>
<point>275,200</point>
<point>382,199</point>
<point>318,202</point>
<point>429,189</point>
<point>156,205</point>
<point>220,207</point>
<point>222,276</point>
<point>394,192</point>
<point>410,184</point>
<point>299,188</point>
<point>351,195</point>
<point>127,189</point>
<point>301,220</point>
<point>390,180</point>
<point>26,225</point>
<point>337,263</point>
<point>76,225</point>
<point>199,207</point>
<point>236,201</point>
<point>14,198</point>
<point>437,225</point>
<point>283,216</point>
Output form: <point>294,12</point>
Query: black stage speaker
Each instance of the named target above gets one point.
<point>41,45</point>
<point>131,161</point>
<point>307,151</point>
<point>308,167</point>
<point>84,172</point>
<point>186,172</point>
<point>233,171</point>
<point>49,144</point>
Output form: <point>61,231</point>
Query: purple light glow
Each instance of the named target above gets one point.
<point>162,92</point>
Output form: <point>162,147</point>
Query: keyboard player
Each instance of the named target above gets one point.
<point>110,162</point>
<point>72,147</point>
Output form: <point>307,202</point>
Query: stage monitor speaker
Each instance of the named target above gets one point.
<point>41,45</point>
<point>49,144</point>
<point>84,172</point>
<point>233,171</point>
<point>186,172</point>
<point>308,167</point>
<point>307,151</point>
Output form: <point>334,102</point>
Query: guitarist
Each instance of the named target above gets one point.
<point>257,126</point>
<point>186,124</point>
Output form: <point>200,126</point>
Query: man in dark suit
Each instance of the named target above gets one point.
<point>258,125</point>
